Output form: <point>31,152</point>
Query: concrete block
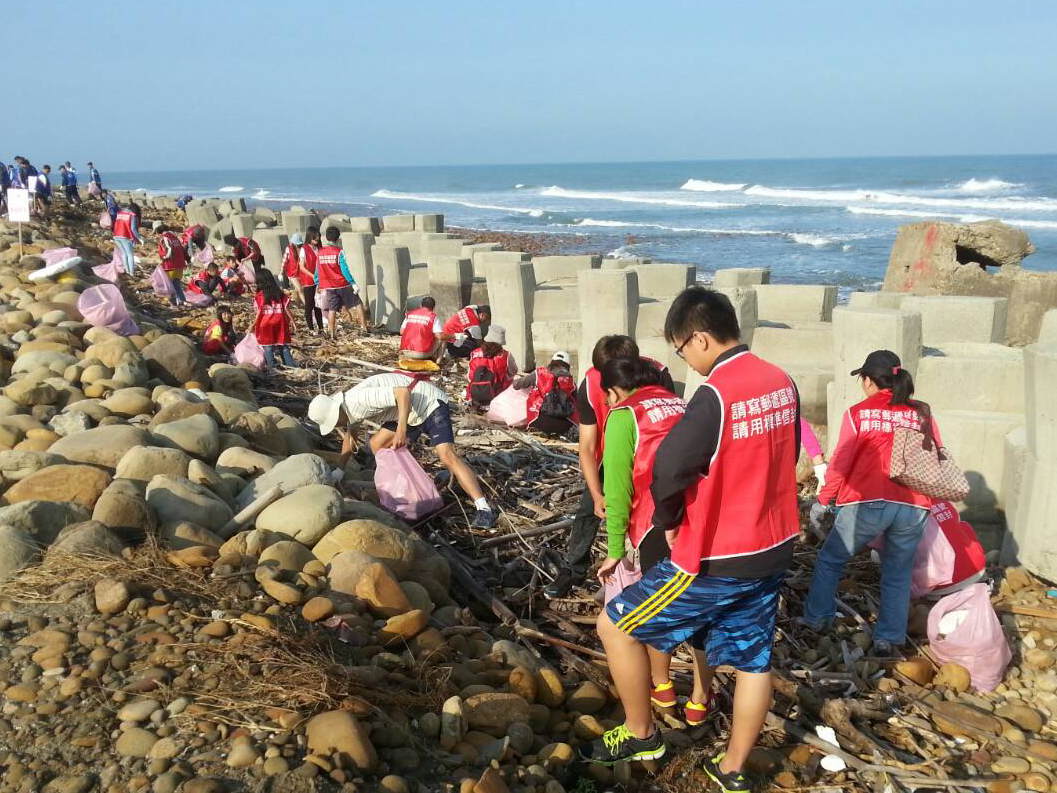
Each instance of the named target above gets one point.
<point>469,251</point>
<point>265,213</point>
<point>1048,329</point>
<point>341,221</point>
<point>741,276</point>
<point>398,223</point>
<point>556,303</point>
<point>977,440</point>
<point>511,287</point>
<point>808,344</point>
<point>876,299</point>
<point>205,215</point>
<point>366,225</point>
<point>434,223</point>
<point>964,376</point>
<point>392,266</point>
<point>483,259</point>
<point>651,316</point>
<point>273,243</point>
<point>357,248</point>
<point>813,384</point>
<point>609,303</point>
<point>743,298</point>
<point>450,281</point>
<point>796,302</point>
<point>1040,402</point>
<point>294,222</point>
<point>1030,540</point>
<point>243,224</point>
<point>445,247</point>
<point>665,281</point>
<point>549,268</point>
<point>478,291</point>
<point>658,349</point>
<point>1016,462</point>
<point>217,232</point>
<point>548,337</point>
<point>947,318</point>
<point>623,262</point>
<point>237,204</point>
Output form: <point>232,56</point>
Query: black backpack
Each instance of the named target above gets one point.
<point>484,387</point>
<point>557,404</point>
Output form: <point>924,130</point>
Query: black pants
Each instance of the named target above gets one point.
<point>309,294</point>
<point>582,534</point>
<point>464,349</point>
<point>549,425</point>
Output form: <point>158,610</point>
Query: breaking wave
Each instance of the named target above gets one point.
<point>231,188</point>
<point>961,218</point>
<point>800,238</point>
<point>975,185</point>
<point>398,196</point>
<point>631,197</point>
<point>705,186</point>
<point>882,197</point>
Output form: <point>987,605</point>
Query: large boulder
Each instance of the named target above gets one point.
<point>82,484</point>
<point>174,360</point>
<point>180,409</point>
<point>70,422</point>
<point>306,514</point>
<point>103,446</point>
<point>28,391</point>
<point>183,534</point>
<point>129,402</point>
<point>18,549</point>
<point>56,361</point>
<point>223,486</point>
<point>298,440</point>
<point>110,351</point>
<point>286,555</point>
<point>261,430</point>
<point>43,520</point>
<point>229,408</point>
<point>143,463</point>
<point>338,732</point>
<point>240,461</point>
<point>16,465</point>
<point>292,473</point>
<point>176,499</point>
<point>123,509</point>
<point>384,543</point>
<point>493,713</point>
<point>232,381</point>
<point>90,538</point>
<point>199,436</point>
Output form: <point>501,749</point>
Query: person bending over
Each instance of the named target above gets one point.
<point>220,337</point>
<point>551,407</point>
<point>466,330</point>
<point>491,369</point>
<point>421,334</point>
<point>407,407</point>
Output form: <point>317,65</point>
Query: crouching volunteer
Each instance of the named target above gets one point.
<point>466,329</point>
<point>552,402</point>
<point>407,408</point>
<point>724,487</point>
<point>491,369</point>
<point>421,334</point>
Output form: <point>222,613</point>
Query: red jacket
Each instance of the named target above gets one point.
<point>418,335</point>
<point>329,268</point>
<point>656,411</point>
<point>597,397</point>
<point>747,503</point>
<point>172,252</point>
<point>462,319</point>
<point>189,233</point>
<point>311,254</point>
<point>123,224</point>
<point>547,381</point>
<point>861,462</point>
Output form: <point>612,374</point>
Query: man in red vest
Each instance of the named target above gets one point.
<point>421,333</point>
<point>466,328</point>
<point>729,469</point>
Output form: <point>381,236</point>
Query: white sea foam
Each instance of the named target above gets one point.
<point>800,238</point>
<point>631,197</point>
<point>393,194</point>
<point>961,218</point>
<point>231,188</point>
<point>975,185</point>
<point>262,193</point>
<point>518,186</point>
<point>814,240</point>
<point>1014,203</point>
<point>608,223</point>
<point>705,186</point>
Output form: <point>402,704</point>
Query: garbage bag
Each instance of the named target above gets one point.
<point>161,283</point>
<point>103,306</point>
<point>933,562</point>
<point>403,487</point>
<point>56,255</point>
<point>964,629</point>
<point>112,270</point>
<point>249,352</point>
<point>624,575</point>
<point>510,407</point>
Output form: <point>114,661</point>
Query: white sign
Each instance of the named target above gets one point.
<point>31,183</point>
<point>18,205</point>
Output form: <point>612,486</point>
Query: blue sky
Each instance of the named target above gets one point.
<point>196,84</point>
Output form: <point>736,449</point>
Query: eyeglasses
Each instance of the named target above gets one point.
<point>679,349</point>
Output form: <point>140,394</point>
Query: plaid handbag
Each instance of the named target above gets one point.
<point>924,467</point>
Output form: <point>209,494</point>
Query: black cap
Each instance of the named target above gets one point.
<point>880,363</point>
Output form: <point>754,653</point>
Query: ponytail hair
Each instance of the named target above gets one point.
<point>899,381</point>
<point>628,374</point>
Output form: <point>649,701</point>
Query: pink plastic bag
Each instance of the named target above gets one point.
<point>624,575</point>
<point>964,629</point>
<point>249,352</point>
<point>510,407</point>
<point>247,273</point>
<point>933,561</point>
<point>160,282</point>
<point>104,307</point>
<point>104,220</point>
<point>403,487</point>
<point>56,255</point>
<point>198,299</point>
<point>205,256</point>
<point>112,270</point>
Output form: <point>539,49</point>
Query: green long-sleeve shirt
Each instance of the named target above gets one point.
<point>618,461</point>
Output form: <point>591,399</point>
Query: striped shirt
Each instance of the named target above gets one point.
<point>374,400</point>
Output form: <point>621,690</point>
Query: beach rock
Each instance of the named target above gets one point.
<point>587,698</point>
<point>416,595</point>
<point>16,465</point>
<point>340,732</point>
<point>290,474</point>
<point>123,509</point>
<point>1039,658</point>
<point>90,538</point>
<point>174,360</point>
<point>109,352</point>
<point>43,520</point>
<point>513,654</point>
<point>307,514</point>
<point>70,784</point>
<point>243,754</point>
<point>198,436</point>
<point>129,402</point>
<point>318,608</point>
<point>403,627</point>
<point>48,359</point>
<point>103,446</point>
<point>954,676</point>
<point>176,499</point>
<point>184,534</point>
<point>243,462</point>
<point>550,690</point>
<point>138,710</point>
<point>111,596</point>
<point>143,463</point>
<point>229,408</point>
<point>180,410</point>
<point>1024,717</point>
<point>281,591</point>
<point>71,422</point>
<point>232,381</point>
<point>491,781</point>
<point>494,713</point>
<point>452,723</point>
<point>135,742</point>
<point>29,392</point>
<point>345,570</point>
<point>384,543</point>
<point>298,440</point>
<point>522,682</point>
<point>918,669</point>
<point>286,555</point>
<point>380,591</point>
<point>81,484</point>
<point>17,550</point>
<point>261,431</point>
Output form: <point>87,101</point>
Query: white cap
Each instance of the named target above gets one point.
<point>297,238</point>
<point>325,410</point>
<point>496,334</point>
<point>563,356</point>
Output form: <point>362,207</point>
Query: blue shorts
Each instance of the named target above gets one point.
<point>437,426</point>
<point>731,619</point>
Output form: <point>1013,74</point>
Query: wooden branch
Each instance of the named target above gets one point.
<point>536,532</point>
<point>251,511</point>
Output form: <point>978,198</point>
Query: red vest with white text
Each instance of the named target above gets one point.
<point>123,224</point>
<point>498,365</point>
<point>656,411</point>
<point>597,397</point>
<point>969,557</point>
<point>462,319</point>
<point>172,253</point>
<point>329,268</point>
<point>747,503</point>
<point>418,335</point>
<point>546,381</point>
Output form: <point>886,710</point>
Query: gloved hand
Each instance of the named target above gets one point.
<point>814,518</point>
<point>820,475</point>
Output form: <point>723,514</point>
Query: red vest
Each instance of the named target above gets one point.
<point>310,252</point>
<point>172,253</point>
<point>248,249</point>
<point>270,324</point>
<point>462,319</point>
<point>290,262</point>
<point>189,232</point>
<point>747,503</point>
<point>123,224</point>
<point>418,335</point>
<point>656,411</point>
<point>329,268</point>
<point>863,456</point>
<point>597,397</point>
<point>546,381</point>
<point>969,556</point>
<point>498,366</point>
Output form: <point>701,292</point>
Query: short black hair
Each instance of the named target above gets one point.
<point>698,308</point>
<point>614,346</point>
<point>485,309</point>
<point>627,374</point>
<point>333,234</point>
<point>231,239</point>
<point>429,302</point>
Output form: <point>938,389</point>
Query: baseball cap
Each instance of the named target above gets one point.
<point>325,410</point>
<point>297,238</point>
<point>563,356</point>
<point>879,362</point>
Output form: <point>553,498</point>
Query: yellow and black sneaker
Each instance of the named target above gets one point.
<point>620,744</point>
<point>734,782</point>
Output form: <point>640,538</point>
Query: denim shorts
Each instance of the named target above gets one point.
<point>437,427</point>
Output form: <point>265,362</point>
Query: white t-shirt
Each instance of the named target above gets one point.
<point>374,400</point>
<point>437,327</point>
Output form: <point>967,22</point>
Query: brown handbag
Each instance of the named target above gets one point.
<point>924,467</point>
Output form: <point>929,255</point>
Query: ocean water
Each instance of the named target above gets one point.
<point>810,221</point>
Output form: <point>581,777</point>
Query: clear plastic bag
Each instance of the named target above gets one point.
<point>404,488</point>
<point>964,629</point>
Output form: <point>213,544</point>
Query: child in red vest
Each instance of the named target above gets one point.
<point>492,369</point>
<point>552,402</point>
<point>219,337</point>
<point>340,292</point>
<point>273,321</point>
<point>173,261</point>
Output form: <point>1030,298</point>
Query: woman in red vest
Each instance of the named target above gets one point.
<point>492,369</point>
<point>552,403</point>
<point>126,234</point>
<point>306,276</point>
<point>173,261</point>
<point>869,503</point>
<point>273,321</point>
<point>292,266</point>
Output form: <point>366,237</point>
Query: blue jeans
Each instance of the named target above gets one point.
<point>284,354</point>
<point>856,525</point>
<point>178,288</point>
<point>128,255</point>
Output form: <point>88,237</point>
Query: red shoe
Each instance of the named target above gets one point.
<point>697,713</point>
<point>663,696</point>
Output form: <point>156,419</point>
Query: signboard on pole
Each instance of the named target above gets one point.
<point>18,205</point>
